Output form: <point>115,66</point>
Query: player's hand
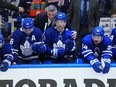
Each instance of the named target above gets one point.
<point>14,63</point>
<point>74,34</point>
<point>96,64</point>
<point>4,66</point>
<point>107,65</point>
<point>59,51</point>
<point>21,9</point>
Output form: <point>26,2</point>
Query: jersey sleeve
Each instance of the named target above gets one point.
<point>8,53</point>
<point>15,41</point>
<point>38,33</point>
<point>107,52</point>
<point>113,37</point>
<point>70,45</point>
<point>48,41</point>
<point>86,50</point>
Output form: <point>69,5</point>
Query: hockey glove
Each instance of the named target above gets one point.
<point>69,45</point>
<point>96,64</point>
<point>107,65</point>
<point>4,66</point>
<point>6,63</point>
<point>39,47</point>
<point>57,52</point>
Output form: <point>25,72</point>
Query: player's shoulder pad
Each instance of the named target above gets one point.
<point>68,31</point>
<point>18,32</point>
<point>87,39</point>
<point>36,30</point>
<point>49,30</point>
<point>107,40</point>
<point>114,31</point>
<point>7,46</point>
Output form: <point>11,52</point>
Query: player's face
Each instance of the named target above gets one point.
<point>51,15</point>
<point>97,39</point>
<point>60,24</point>
<point>28,31</point>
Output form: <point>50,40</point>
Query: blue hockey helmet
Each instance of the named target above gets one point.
<point>28,23</point>
<point>1,38</point>
<point>99,31</point>
<point>61,16</point>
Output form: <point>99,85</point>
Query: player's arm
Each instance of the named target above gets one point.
<point>89,55</point>
<point>15,43</point>
<point>48,42</point>
<point>8,58</point>
<point>39,46</point>
<point>106,56</point>
<point>70,46</point>
<point>107,52</point>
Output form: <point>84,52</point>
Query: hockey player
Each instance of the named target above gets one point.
<point>6,54</point>
<point>113,39</point>
<point>27,42</point>
<point>96,49</point>
<point>60,45</point>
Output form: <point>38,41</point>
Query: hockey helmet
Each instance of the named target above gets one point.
<point>99,31</point>
<point>28,23</point>
<point>61,16</point>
